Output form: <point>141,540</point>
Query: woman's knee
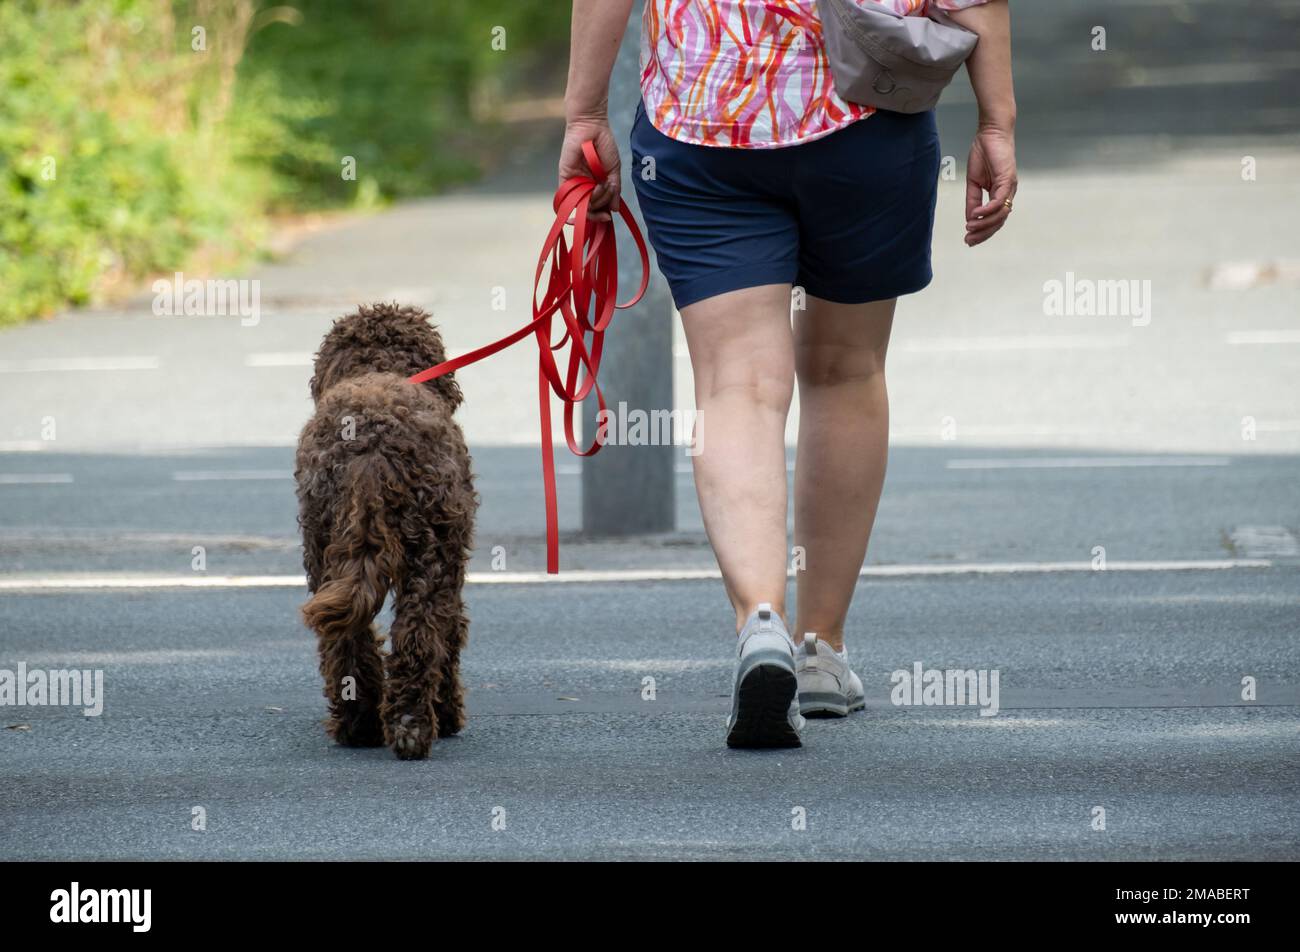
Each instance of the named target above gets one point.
<point>742,347</point>
<point>764,381</point>
<point>838,344</point>
<point>833,365</point>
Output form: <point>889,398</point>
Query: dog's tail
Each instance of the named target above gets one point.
<point>361,561</point>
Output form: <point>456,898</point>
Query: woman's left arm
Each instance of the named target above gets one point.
<point>992,164</point>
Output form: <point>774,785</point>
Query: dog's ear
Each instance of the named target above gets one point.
<point>426,341</point>
<point>447,388</point>
<point>325,368</point>
<point>349,348</point>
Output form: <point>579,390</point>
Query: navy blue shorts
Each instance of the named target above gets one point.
<point>847,217</point>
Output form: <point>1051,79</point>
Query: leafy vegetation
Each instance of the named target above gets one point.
<point>136,135</point>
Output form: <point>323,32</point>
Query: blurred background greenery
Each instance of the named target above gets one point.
<point>139,137</point>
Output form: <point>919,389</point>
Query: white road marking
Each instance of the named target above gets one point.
<point>638,665</point>
<point>1264,337</point>
<point>1202,73</point>
<point>19,583</point>
<point>147,656</point>
<point>961,345</point>
<point>71,582</point>
<point>1008,430</point>
<point>279,359</point>
<point>1022,568</point>
<point>575,469</point>
<point>1264,541</point>
<point>23,446</point>
<point>116,539</point>
<point>218,475</point>
<point>76,364</point>
<point>1236,275</point>
<point>297,358</point>
<point>1086,462</point>
<point>34,479</point>
<point>1007,721</point>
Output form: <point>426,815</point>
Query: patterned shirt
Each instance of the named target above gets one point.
<point>750,74</point>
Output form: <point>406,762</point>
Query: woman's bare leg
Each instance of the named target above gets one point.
<point>843,445</point>
<point>742,352</point>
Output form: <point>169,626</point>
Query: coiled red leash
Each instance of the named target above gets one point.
<point>582,287</point>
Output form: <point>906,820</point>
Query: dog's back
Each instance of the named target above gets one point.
<point>382,472</point>
<point>386,505</point>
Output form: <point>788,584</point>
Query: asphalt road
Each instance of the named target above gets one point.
<point>69,513</point>
<point>1118,690</point>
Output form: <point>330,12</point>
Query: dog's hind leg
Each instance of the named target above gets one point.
<point>349,578</point>
<point>353,669</point>
<point>449,705</point>
<point>352,666</point>
<point>414,674</point>
<point>416,661</point>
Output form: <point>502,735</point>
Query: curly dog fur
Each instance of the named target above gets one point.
<point>386,504</point>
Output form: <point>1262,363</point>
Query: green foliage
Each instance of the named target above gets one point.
<point>391,83</point>
<point>124,150</point>
<point>102,179</point>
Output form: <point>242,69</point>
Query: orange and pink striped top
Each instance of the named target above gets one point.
<point>750,74</point>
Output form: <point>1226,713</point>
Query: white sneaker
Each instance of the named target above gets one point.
<point>827,685</point>
<point>765,696</point>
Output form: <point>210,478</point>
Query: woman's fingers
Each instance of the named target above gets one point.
<point>988,216</point>
<point>606,195</point>
<point>985,219</point>
<point>601,199</point>
<point>985,227</point>
<point>974,197</point>
<point>998,198</point>
<point>573,163</point>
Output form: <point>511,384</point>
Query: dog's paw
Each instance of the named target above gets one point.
<point>356,729</point>
<point>451,719</point>
<point>411,737</point>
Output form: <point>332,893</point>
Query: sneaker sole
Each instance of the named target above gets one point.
<point>763,700</point>
<point>816,705</point>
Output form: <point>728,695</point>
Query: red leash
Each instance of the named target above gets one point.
<point>583,279</point>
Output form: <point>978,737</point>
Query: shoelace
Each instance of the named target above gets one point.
<point>582,281</point>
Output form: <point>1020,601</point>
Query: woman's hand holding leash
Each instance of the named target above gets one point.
<point>597,31</point>
<point>573,164</point>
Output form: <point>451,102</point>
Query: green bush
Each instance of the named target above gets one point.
<point>124,150</point>
<point>102,176</point>
<point>393,83</point>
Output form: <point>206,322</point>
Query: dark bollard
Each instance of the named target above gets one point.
<point>629,489</point>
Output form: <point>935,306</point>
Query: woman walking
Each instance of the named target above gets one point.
<point>762,180</point>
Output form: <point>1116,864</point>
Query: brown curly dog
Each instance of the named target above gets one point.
<point>386,504</point>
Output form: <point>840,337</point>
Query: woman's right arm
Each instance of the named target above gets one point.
<point>595,34</point>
